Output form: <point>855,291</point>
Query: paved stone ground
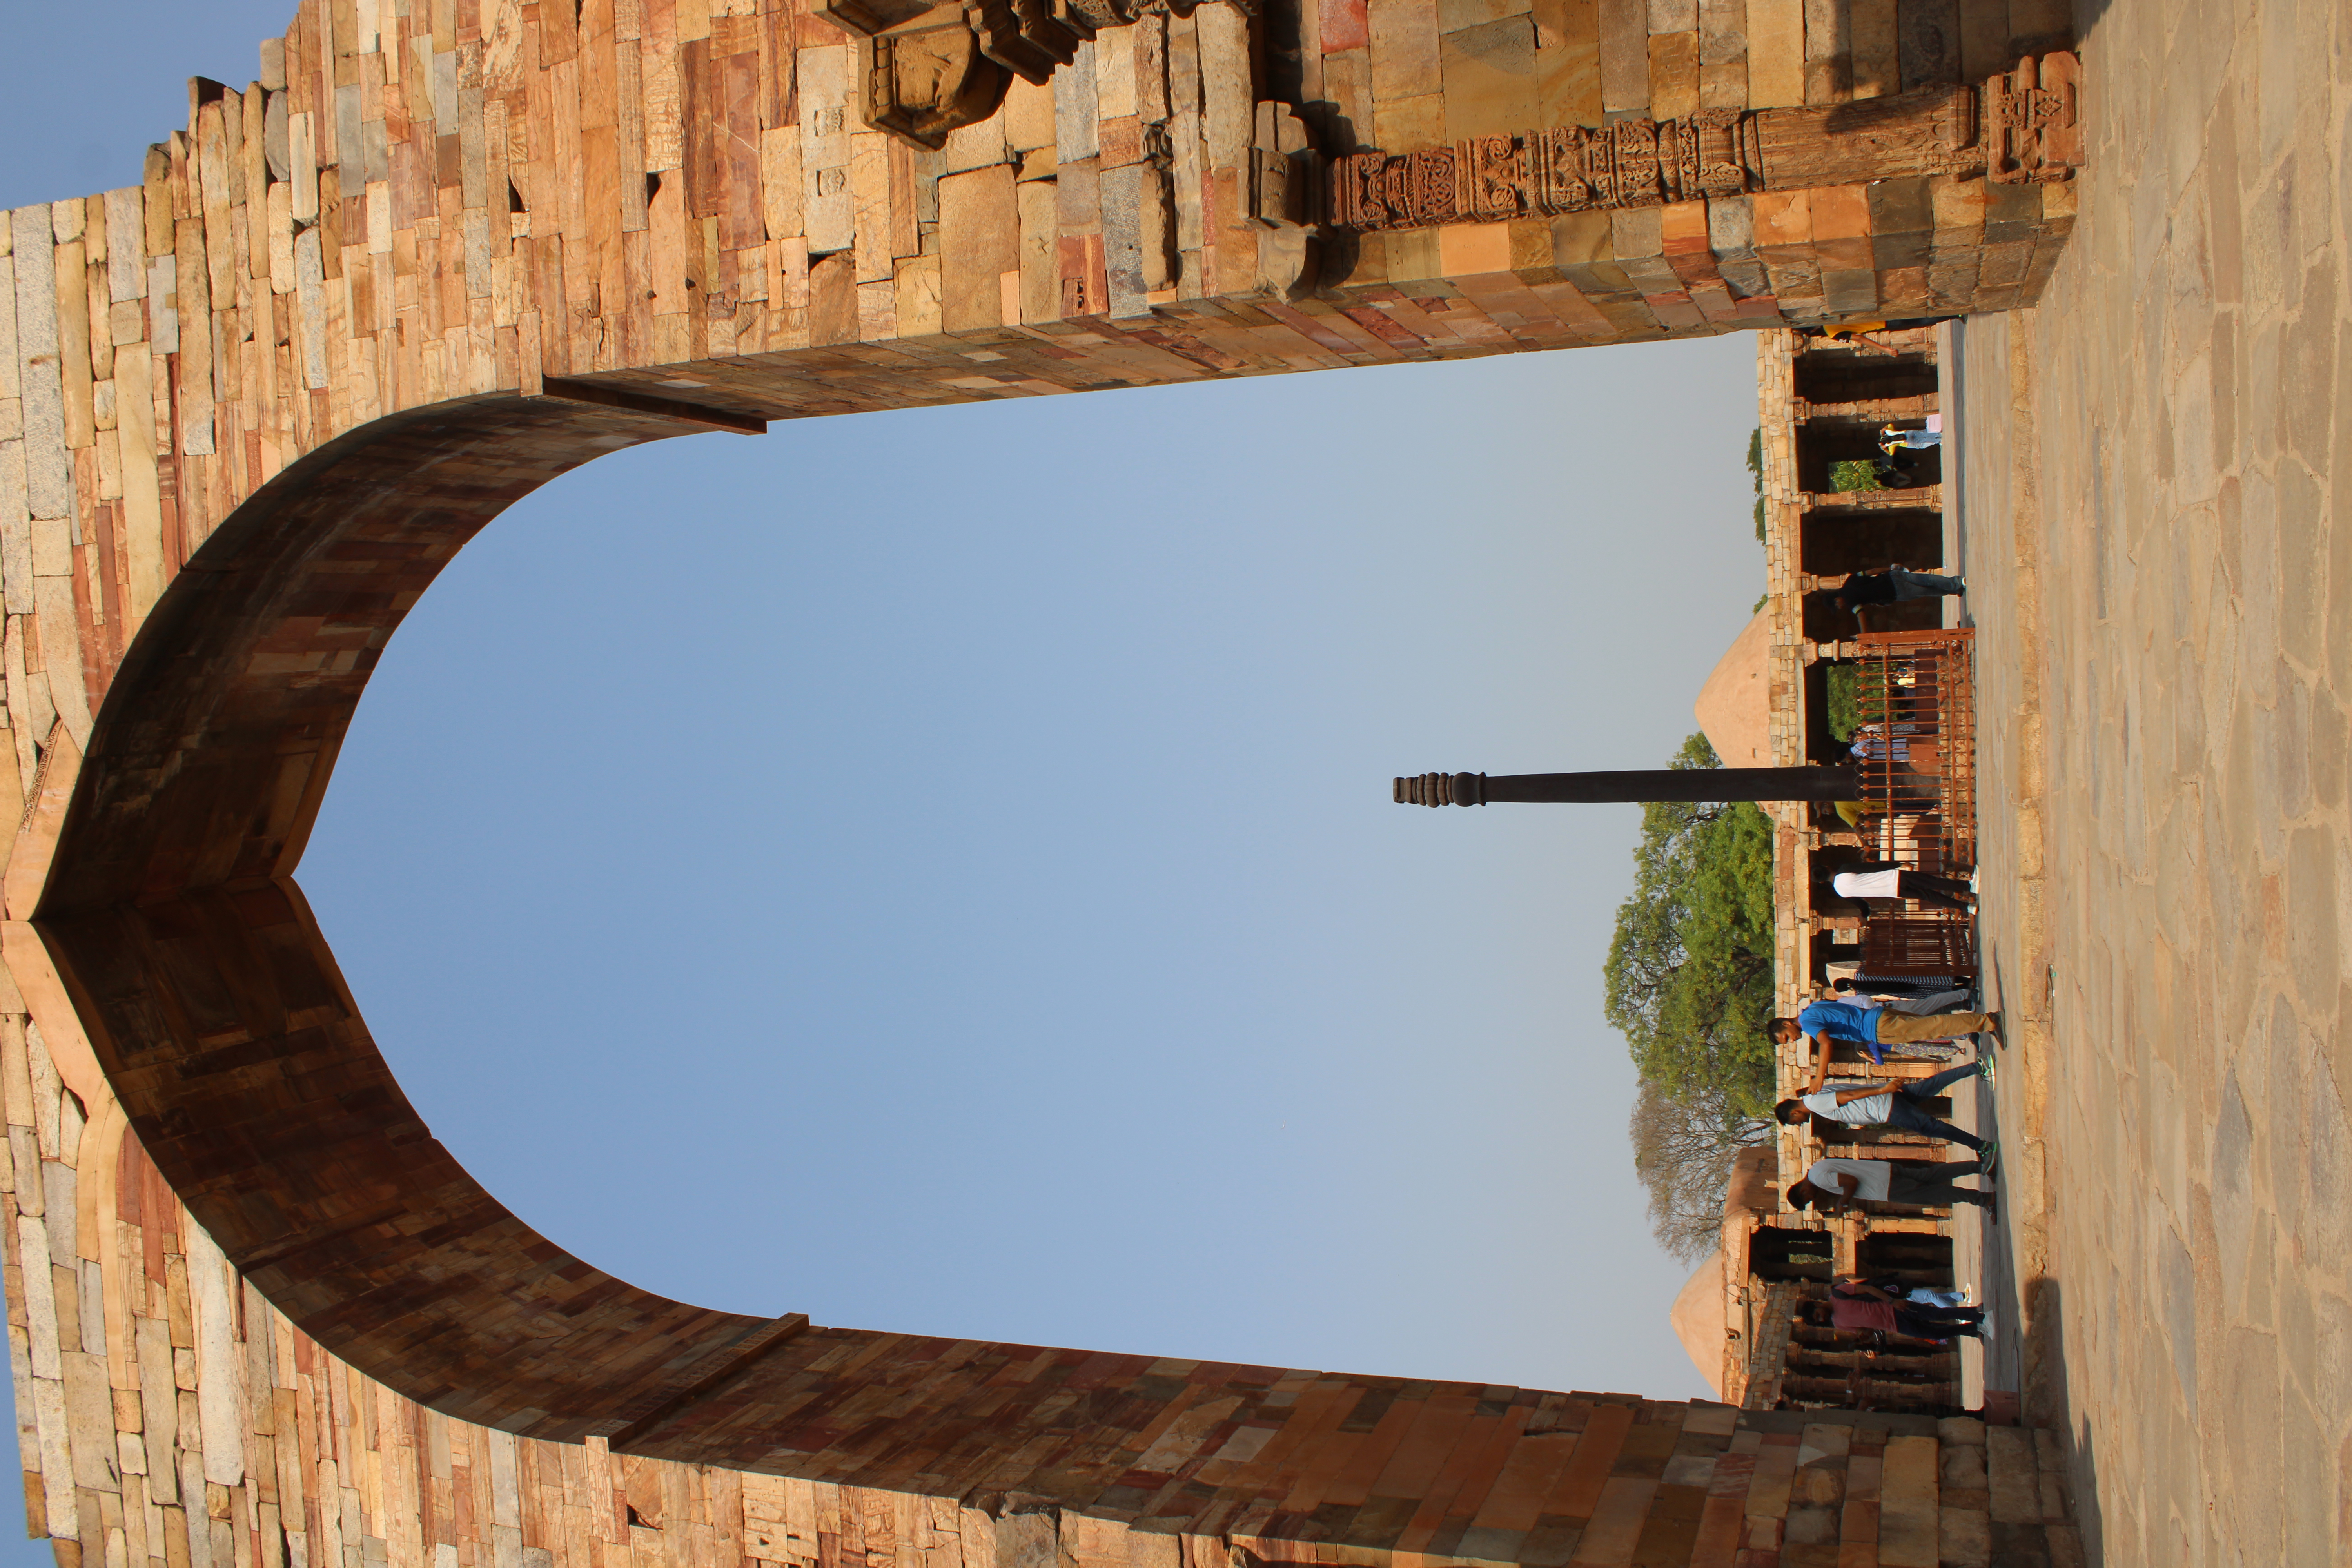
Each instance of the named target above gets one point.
<point>2163,581</point>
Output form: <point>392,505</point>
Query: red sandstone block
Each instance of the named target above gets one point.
<point>1437,1428</point>
<point>1783,217</point>
<point>1840,212</point>
<point>1528,1476</point>
<point>1683,228</point>
<point>1908,1513</point>
<point>1675,309</point>
<point>1843,255</point>
<point>1571,308</point>
<point>1715,302</point>
<point>1469,1473</point>
<point>1344,26</point>
<point>1717,1544</point>
<point>1579,1490</point>
<point>1617,1523</point>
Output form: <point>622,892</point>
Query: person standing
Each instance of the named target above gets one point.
<point>1888,1105</point>
<point>1908,994</point>
<point>1896,586</point>
<point>1893,883</point>
<point>1893,439</point>
<point>1871,1026</point>
<point>1856,1304</point>
<point>1831,1185</point>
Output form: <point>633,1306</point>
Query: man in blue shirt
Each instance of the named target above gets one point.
<point>1871,1026</point>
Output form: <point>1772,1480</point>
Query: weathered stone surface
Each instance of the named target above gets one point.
<point>256,1312</point>
<point>2160,565</point>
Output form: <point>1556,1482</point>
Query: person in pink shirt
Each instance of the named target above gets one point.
<point>1856,1304</point>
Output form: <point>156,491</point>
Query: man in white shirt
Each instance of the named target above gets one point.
<point>1893,883</point>
<point>1887,1105</point>
<point>1831,1185</point>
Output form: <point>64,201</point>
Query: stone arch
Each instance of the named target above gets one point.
<point>212,1001</point>
<point>436,254</point>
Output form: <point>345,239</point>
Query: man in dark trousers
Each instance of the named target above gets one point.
<point>1887,1105</point>
<point>1896,586</point>
<point>1831,1185</point>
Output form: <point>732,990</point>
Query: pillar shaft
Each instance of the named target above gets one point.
<point>1842,782</point>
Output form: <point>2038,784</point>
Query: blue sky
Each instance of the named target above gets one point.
<point>935,870</point>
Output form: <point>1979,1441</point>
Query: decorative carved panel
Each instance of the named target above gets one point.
<point>2021,124</point>
<point>930,69</point>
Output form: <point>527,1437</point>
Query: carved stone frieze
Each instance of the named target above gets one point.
<point>2033,132</point>
<point>2019,125</point>
<point>927,69</point>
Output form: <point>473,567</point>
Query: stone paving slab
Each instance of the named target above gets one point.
<point>2162,578</point>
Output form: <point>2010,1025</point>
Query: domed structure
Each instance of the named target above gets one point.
<point>1733,708</point>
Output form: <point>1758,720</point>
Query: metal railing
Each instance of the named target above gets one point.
<point>1917,750</point>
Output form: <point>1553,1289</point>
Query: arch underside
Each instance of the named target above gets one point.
<point>248,1074</point>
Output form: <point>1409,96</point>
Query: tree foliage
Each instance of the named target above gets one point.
<point>1689,983</point>
<point>1854,474</point>
<point>1755,472</point>
<point>1682,1150</point>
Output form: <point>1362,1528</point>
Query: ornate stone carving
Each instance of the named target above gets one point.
<point>2030,119</point>
<point>926,68</point>
<point>1565,169</point>
<point>921,83</point>
<point>2029,114</point>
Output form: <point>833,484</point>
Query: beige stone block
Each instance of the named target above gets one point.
<point>1909,1517</point>
<point>1040,224</point>
<point>1490,79</point>
<point>1028,116</point>
<point>977,146</point>
<point>1674,75</point>
<point>2013,1478</point>
<point>919,296</point>
<point>980,233</point>
<point>1228,102</point>
<point>1776,53</point>
<point>1870,29</point>
<point>1453,15</point>
<point>870,190</point>
<point>1967,1539</point>
<point>1404,47</point>
<point>781,181</point>
<point>1673,16</point>
<point>827,117</point>
<point>1624,55</point>
<point>1567,62</point>
<point>1115,73</point>
<point>1411,256</point>
<point>1723,86</point>
<point>878,310</point>
<point>1409,122</point>
<point>1636,232</point>
<point>1722,31</point>
<point>1348,83</point>
<point>1471,249</point>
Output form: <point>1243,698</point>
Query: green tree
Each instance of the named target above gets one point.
<point>1689,983</point>
<point>1854,474</point>
<point>1755,472</point>
<point>1689,976</point>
